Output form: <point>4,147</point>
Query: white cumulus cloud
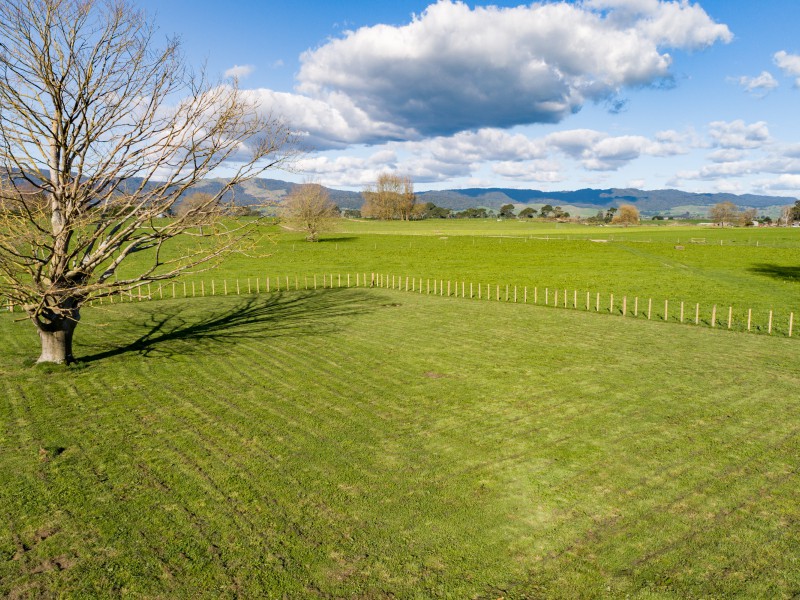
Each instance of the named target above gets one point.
<point>239,71</point>
<point>759,85</point>
<point>789,64</point>
<point>738,134</point>
<point>455,68</point>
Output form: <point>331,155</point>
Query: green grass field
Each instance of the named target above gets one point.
<point>742,268</point>
<point>375,443</point>
<point>371,443</point>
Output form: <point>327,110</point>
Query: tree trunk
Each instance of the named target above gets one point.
<point>56,338</point>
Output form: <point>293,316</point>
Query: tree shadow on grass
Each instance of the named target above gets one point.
<point>343,238</point>
<point>180,329</point>
<point>782,272</point>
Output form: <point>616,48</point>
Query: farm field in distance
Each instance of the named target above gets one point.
<point>756,269</point>
<point>374,443</point>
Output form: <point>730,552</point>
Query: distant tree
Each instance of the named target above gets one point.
<point>472,213</point>
<point>545,211</point>
<point>600,217</point>
<point>198,207</point>
<point>627,214</point>
<point>392,197</point>
<point>351,213</point>
<point>723,213</point>
<point>527,213</point>
<point>308,208</point>
<point>609,216</point>
<point>747,217</point>
<point>657,218</point>
<point>507,211</point>
<point>430,211</point>
<point>794,212</point>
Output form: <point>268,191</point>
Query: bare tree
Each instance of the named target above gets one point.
<point>627,214</point>
<point>110,130</point>
<point>308,207</point>
<point>748,217</point>
<point>724,212</point>
<point>392,197</point>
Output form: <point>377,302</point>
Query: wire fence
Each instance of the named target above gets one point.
<point>771,322</point>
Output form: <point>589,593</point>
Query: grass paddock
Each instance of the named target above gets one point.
<point>370,443</point>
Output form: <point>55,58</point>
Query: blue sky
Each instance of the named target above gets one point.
<point>700,96</point>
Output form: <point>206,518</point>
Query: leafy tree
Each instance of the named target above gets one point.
<point>527,213</point>
<point>111,131</point>
<point>627,214</point>
<point>794,213</point>
<point>473,213</point>
<point>609,216</point>
<point>430,211</point>
<point>723,212</point>
<point>545,211</point>
<point>507,211</point>
<point>392,197</point>
<point>308,208</point>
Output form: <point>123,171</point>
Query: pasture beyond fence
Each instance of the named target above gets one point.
<point>780,323</point>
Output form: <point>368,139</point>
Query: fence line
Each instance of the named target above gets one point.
<point>504,293</point>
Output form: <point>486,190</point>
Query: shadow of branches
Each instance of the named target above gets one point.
<point>175,329</point>
<point>782,272</point>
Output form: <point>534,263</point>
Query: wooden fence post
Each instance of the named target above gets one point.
<point>769,326</point>
<point>681,311</point>
<point>515,294</point>
<point>470,290</point>
<point>714,316</point>
<point>649,308</point>
<point>697,314</point>
<point>624,305</point>
<point>730,316</point>
<point>193,294</point>
<point>749,317</point>
<point>497,286</point>
<point>587,300</point>
<point>555,299</point>
<point>611,304</point>
<point>480,291</point>
<point>791,322</point>
<point>597,303</point>
<point>636,306</point>
<point>203,288</point>
<point>546,296</point>
<point>506,292</point>
<point>575,299</point>
<point>565,298</point>
<point>666,309</point>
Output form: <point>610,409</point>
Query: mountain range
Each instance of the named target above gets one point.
<point>583,202</point>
